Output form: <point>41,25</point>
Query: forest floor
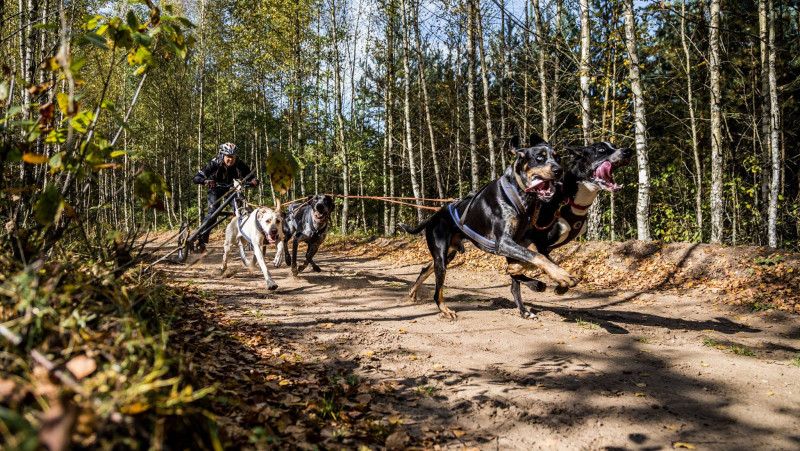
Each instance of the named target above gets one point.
<point>659,347</point>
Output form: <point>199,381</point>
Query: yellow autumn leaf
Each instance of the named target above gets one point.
<point>769,393</point>
<point>677,445</point>
<point>705,364</point>
<point>134,408</point>
<point>640,395</point>
<point>34,158</point>
<point>284,382</point>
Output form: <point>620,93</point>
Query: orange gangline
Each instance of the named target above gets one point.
<point>386,199</point>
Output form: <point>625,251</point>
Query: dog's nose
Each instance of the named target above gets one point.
<point>558,171</point>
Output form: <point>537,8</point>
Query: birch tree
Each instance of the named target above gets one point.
<point>407,111</point>
<point>640,127</point>
<point>717,205</point>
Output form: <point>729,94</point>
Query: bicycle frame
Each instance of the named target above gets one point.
<point>232,199</point>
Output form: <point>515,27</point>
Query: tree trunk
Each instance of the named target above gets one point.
<point>540,44</point>
<point>640,127</point>
<point>775,182</point>
<point>717,205</point>
<point>407,112</point>
<point>485,79</point>
<point>473,144</point>
<point>388,104</point>
<point>765,116</point>
<point>340,121</point>
<point>201,109</point>
<point>698,168</point>
<point>426,103</point>
<point>593,223</point>
<point>503,88</point>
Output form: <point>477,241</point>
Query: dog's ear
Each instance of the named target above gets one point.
<point>574,152</point>
<point>513,144</point>
<point>277,204</point>
<point>309,198</point>
<point>535,140</point>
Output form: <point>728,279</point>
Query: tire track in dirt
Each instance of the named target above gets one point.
<point>601,370</point>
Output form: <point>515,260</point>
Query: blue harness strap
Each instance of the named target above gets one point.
<point>512,195</point>
<point>481,241</point>
<point>258,226</point>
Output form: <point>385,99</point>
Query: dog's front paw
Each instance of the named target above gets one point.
<point>316,268</point>
<point>301,268</point>
<point>277,262</point>
<point>561,290</point>
<point>527,314</point>
<point>271,285</point>
<point>294,271</point>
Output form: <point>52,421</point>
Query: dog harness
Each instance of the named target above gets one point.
<point>481,241</point>
<point>258,226</point>
<point>312,233</point>
<point>574,221</point>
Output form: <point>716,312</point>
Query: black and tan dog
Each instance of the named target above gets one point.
<point>308,223</point>
<point>563,218</point>
<point>495,218</point>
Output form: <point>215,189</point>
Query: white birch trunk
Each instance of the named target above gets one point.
<point>640,127</point>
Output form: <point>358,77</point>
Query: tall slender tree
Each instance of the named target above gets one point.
<point>640,126</point>
<point>717,205</point>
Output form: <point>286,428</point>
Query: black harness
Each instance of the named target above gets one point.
<point>313,231</point>
<point>481,241</point>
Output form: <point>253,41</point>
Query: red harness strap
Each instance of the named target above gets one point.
<point>576,206</point>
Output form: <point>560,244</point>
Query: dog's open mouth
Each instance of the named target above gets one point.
<point>604,175</point>
<point>319,217</point>
<point>272,237</point>
<point>544,189</point>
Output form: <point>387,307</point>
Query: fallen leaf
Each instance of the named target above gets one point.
<point>704,364</point>
<point>368,353</point>
<point>458,432</point>
<point>401,331</point>
<point>56,428</point>
<point>81,366</point>
<point>769,393</point>
<point>413,357</point>
<point>677,445</point>
<point>641,384</point>
<point>644,375</point>
<point>397,440</point>
<point>640,395</point>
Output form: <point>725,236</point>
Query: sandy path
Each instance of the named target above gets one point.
<point>596,370</point>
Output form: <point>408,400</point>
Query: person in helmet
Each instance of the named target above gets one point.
<point>223,169</point>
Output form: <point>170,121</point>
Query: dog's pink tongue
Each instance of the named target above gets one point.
<point>535,185</point>
<point>605,172</point>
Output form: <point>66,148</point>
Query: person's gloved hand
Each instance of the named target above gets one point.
<point>210,184</point>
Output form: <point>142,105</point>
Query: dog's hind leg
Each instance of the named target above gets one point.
<point>440,270</point>
<point>425,273</point>
<point>293,259</point>
<point>310,252</point>
<point>517,294</point>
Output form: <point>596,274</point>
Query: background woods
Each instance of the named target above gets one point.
<point>418,99</point>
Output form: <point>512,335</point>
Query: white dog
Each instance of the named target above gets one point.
<point>262,226</point>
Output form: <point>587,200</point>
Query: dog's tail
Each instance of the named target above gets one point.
<point>419,228</point>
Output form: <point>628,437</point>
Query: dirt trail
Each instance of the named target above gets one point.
<point>600,370</point>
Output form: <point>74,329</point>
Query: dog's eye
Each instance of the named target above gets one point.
<point>539,158</point>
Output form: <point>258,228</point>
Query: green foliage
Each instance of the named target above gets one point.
<point>49,206</point>
<point>150,188</point>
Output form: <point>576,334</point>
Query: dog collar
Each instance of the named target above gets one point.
<point>576,206</point>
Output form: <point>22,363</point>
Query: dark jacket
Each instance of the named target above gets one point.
<point>217,172</point>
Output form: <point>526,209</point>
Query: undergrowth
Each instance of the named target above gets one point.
<point>114,383</point>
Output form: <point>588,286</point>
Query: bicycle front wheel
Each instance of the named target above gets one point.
<point>183,248</point>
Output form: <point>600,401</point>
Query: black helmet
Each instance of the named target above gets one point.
<point>228,149</point>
